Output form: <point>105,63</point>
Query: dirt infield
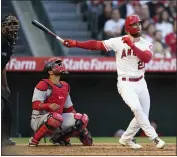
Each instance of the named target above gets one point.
<point>96,150</point>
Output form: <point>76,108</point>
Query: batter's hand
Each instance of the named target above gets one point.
<point>54,106</point>
<point>128,41</point>
<point>69,43</point>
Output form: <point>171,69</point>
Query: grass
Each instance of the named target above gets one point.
<point>101,140</point>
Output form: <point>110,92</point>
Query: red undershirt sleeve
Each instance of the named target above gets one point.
<point>37,105</point>
<point>91,45</point>
<point>145,55</point>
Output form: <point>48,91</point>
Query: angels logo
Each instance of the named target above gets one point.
<point>129,52</point>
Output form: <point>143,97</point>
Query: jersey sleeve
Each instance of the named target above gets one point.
<point>150,48</point>
<point>68,102</point>
<point>111,44</point>
<point>147,46</point>
<point>41,92</point>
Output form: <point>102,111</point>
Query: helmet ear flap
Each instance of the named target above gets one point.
<point>47,67</point>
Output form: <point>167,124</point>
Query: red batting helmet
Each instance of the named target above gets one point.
<point>132,19</point>
<point>56,65</point>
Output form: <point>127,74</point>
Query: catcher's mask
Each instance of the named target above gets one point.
<point>56,65</point>
<point>10,27</point>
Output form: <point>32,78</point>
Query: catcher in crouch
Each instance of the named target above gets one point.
<point>53,113</point>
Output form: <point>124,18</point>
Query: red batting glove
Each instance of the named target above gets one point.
<point>128,41</point>
<point>69,43</point>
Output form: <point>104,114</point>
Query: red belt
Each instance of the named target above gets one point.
<point>132,79</point>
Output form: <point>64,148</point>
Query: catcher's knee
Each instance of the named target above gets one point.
<point>81,120</point>
<point>54,120</point>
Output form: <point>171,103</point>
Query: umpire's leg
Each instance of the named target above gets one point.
<point>6,119</point>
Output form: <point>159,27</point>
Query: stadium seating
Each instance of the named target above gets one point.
<point>68,24</point>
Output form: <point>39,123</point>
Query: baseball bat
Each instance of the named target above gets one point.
<point>46,30</point>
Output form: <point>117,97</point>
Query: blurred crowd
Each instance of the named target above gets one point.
<point>106,18</point>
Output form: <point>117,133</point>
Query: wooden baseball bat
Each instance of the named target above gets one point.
<point>46,30</point>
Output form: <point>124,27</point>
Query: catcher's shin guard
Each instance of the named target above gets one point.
<point>78,130</point>
<point>53,121</point>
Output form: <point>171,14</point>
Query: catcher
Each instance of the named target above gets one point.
<point>53,113</point>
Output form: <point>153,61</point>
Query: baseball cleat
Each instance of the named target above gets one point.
<point>65,142</point>
<point>33,142</point>
<point>159,143</point>
<point>86,138</point>
<point>130,143</point>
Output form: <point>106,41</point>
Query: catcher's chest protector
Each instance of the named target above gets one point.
<point>58,95</point>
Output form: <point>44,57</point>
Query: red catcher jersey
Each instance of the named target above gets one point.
<point>53,94</point>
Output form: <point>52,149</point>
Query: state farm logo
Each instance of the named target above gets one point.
<point>89,65</point>
<point>15,64</point>
<point>162,65</point>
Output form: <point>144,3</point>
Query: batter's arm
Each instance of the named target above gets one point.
<point>90,44</point>
<point>105,45</point>
<point>144,55</point>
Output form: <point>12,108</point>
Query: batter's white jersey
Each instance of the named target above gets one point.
<point>128,64</point>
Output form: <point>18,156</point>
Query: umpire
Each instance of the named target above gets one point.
<point>9,35</point>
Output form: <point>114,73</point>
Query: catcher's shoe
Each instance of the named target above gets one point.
<point>86,138</point>
<point>159,143</point>
<point>130,143</point>
<point>33,142</point>
<point>65,142</point>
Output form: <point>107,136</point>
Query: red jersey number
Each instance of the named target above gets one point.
<point>141,65</point>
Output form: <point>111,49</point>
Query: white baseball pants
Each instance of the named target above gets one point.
<point>136,96</point>
<point>68,121</point>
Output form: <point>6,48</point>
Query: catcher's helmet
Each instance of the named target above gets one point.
<point>10,27</point>
<point>130,20</point>
<point>56,65</point>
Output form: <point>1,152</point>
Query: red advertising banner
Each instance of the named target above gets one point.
<point>86,64</point>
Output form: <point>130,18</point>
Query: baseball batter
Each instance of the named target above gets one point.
<point>132,52</point>
<point>53,112</point>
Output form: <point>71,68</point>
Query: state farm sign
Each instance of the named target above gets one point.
<point>162,65</point>
<point>86,64</point>
<point>21,65</point>
<point>91,64</point>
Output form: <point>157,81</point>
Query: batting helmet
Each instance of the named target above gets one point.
<point>10,27</point>
<point>132,19</point>
<point>56,65</point>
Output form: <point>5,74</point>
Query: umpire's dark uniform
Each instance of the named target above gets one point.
<point>6,52</point>
<point>9,35</point>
